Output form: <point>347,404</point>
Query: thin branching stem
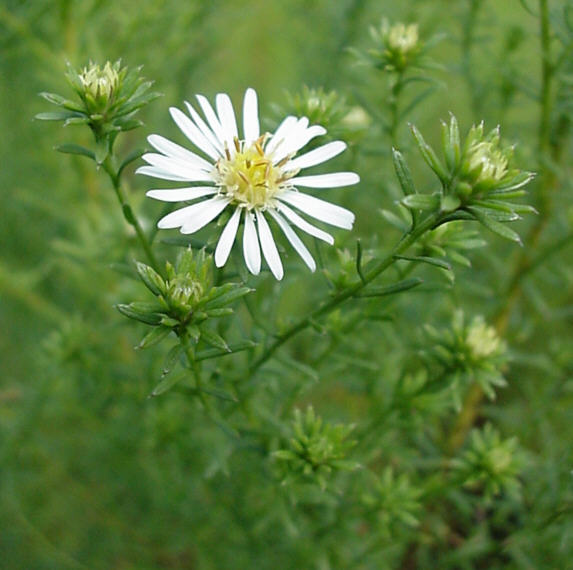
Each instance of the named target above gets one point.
<point>405,242</point>
<point>128,214</point>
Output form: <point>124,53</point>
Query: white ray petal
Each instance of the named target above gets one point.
<point>170,148</point>
<point>159,173</point>
<point>192,132</point>
<point>251,128</point>
<point>177,167</point>
<point>282,130</point>
<point>316,156</point>
<point>294,240</point>
<point>205,129</point>
<point>251,249</point>
<point>212,208</point>
<point>319,209</point>
<point>269,247</point>
<point>194,217</point>
<point>211,118</point>
<point>301,140</point>
<point>227,118</point>
<point>332,180</point>
<point>227,238</point>
<point>301,223</point>
<point>181,194</point>
<point>291,139</point>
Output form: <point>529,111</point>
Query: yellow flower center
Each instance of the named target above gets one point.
<point>249,177</point>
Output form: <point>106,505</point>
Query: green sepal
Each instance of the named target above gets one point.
<point>141,312</point>
<point>494,226</point>
<point>153,337</point>
<point>54,98</point>
<point>151,279</point>
<point>429,155</point>
<point>403,173</point>
<point>451,144</point>
<point>214,340</point>
<point>399,287</point>
<point>71,148</point>
<point>169,322</point>
<point>422,201</point>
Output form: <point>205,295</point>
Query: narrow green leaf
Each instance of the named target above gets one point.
<point>56,115</point>
<point>138,313</point>
<point>403,173</point>
<point>171,359</point>
<point>429,155</point>
<point>221,394</point>
<point>422,201</point>
<point>167,384</point>
<point>494,226</point>
<point>151,279</point>
<point>223,312</point>
<point>395,220</point>
<point>71,148</point>
<point>133,155</point>
<point>359,260</point>
<point>214,340</point>
<point>214,352</point>
<point>227,298</point>
<point>425,259</point>
<point>153,337</point>
<point>399,287</point>
<point>101,152</point>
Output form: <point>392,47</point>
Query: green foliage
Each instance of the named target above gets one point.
<point>316,449</point>
<point>407,405</point>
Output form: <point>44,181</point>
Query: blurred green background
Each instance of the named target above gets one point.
<point>94,475</point>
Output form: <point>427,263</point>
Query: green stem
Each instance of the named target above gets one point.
<point>195,367</point>
<point>395,93</point>
<point>405,242</point>
<point>128,212</point>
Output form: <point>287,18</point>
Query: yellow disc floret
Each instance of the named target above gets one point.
<point>249,176</point>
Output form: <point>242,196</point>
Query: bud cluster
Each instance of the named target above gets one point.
<point>490,464</point>
<point>393,500</point>
<point>328,109</point>
<point>398,46</point>
<point>467,352</point>
<point>184,301</point>
<point>316,449</point>
<point>109,97</point>
<point>477,179</point>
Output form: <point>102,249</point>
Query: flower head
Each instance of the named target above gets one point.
<point>101,84</point>
<point>254,175</point>
<point>398,47</point>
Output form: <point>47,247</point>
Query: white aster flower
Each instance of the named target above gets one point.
<point>256,176</point>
